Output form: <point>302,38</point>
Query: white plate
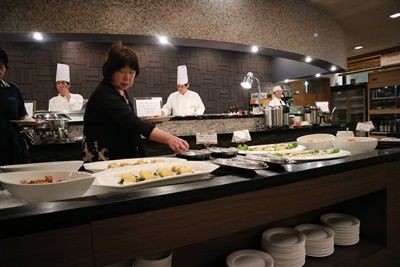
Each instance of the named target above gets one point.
<point>315,232</point>
<point>73,165</point>
<point>270,149</point>
<point>99,166</point>
<point>298,156</point>
<point>110,178</point>
<point>340,220</point>
<point>249,258</point>
<point>74,184</point>
<point>283,237</point>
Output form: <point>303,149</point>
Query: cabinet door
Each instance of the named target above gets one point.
<point>357,105</point>
<point>339,100</point>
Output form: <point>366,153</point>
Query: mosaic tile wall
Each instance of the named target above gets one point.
<point>288,25</point>
<point>214,74</point>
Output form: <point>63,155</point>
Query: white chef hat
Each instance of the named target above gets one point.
<point>182,75</point>
<point>62,72</point>
<point>277,88</point>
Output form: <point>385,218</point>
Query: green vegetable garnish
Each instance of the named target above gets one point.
<point>336,150</point>
<point>292,145</point>
<point>278,154</point>
<point>243,147</point>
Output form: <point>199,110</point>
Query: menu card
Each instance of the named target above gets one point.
<point>207,138</point>
<point>148,107</point>
<point>365,126</point>
<point>241,136</point>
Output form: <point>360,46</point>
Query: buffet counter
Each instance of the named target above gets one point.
<point>212,217</point>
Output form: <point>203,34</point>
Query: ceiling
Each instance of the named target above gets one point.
<point>365,23</point>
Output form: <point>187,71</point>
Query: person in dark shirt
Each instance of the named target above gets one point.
<point>111,128</point>
<point>13,148</point>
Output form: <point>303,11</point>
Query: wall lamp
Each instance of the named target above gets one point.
<point>247,83</point>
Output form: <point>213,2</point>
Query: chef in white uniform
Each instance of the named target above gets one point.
<point>277,98</point>
<point>65,101</point>
<point>184,102</point>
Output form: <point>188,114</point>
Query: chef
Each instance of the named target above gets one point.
<point>277,98</point>
<point>184,102</point>
<point>65,101</point>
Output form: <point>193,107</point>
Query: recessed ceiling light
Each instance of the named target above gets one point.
<point>395,15</point>
<point>315,35</point>
<point>358,47</point>
<point>163,40</point>
<point>318,75</point>
<point>333,68</point>
<point>254,49</point>
<point>37,36</point>
<point>286,80</point>
<point>308,59</point>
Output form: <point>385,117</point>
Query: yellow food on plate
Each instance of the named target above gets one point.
<point>147,174</point>
<point>129,177</point>
<point>123,164</point>
<point>113,165</point>
<point>157,160</point>
<point>163,172</point>
<point>140,162</point>
<point>183,169</point>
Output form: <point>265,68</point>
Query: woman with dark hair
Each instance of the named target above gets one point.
<point>111,128</point>
<point>13,148</point>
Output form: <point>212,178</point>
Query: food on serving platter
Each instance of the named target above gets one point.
<point>48,179</point>
<point>144,175</point>
<point>163,172</point>
<point>308,153</point>
<point>270,147</point>
<point>147,174</point>
<point>243,147</point>
<point>138,162</point>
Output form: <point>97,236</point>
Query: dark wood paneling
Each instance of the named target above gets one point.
<point>63,247</point>
<point>214,74</point>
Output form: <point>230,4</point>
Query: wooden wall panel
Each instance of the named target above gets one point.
<point>214,74</point>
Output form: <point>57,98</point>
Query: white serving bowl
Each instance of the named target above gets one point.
<point>316,141</point>
<point>344,134</point>
<point>356,145</point>
<point>74,184</point>
<point>72,166</point>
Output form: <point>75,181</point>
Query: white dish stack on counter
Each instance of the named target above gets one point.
<point>249,258</point>
<point>346,228</point>
<point>285,245</point>
<point>319,239</point>
<point>162,260</point>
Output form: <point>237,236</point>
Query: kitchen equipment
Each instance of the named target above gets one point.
<point>277,116</point>
<point>285,115</point>
<point>307,114</point>
<point>315,115</point>
<point>54,129</point>
<point>268,117</point>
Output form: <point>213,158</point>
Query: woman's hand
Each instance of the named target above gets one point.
<point>178,145</point>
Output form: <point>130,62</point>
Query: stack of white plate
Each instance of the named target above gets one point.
<point>319,239</point>
<point>346,228</point>
<point>159,260</point>
<point>249,258</point>
<point>285,245</point>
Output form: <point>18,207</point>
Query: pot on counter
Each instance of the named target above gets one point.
<point>54,129</point>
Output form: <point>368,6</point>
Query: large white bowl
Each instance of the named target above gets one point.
<point>316,141</point>
<point>356,145</point>
<point>71,166</point>
<point>75,184</point>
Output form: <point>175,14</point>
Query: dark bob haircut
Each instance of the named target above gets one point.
<point>3,58</point>
<point>118,57</point>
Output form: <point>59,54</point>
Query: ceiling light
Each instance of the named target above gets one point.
<point>163,40</point>
<point>333,68</point>
<point>318,75</point>
<point>287,80</point>
<point>358,47</point>
<point>254,49</point>
<point>38,36</point>
<point>308,59</point>
<point>395,15</point>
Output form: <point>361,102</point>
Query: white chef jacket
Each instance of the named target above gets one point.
<point>184,105</point>
<point>60,103</point>
<point>276,102</point>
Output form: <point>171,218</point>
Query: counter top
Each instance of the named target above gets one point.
<point>29,218</point>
